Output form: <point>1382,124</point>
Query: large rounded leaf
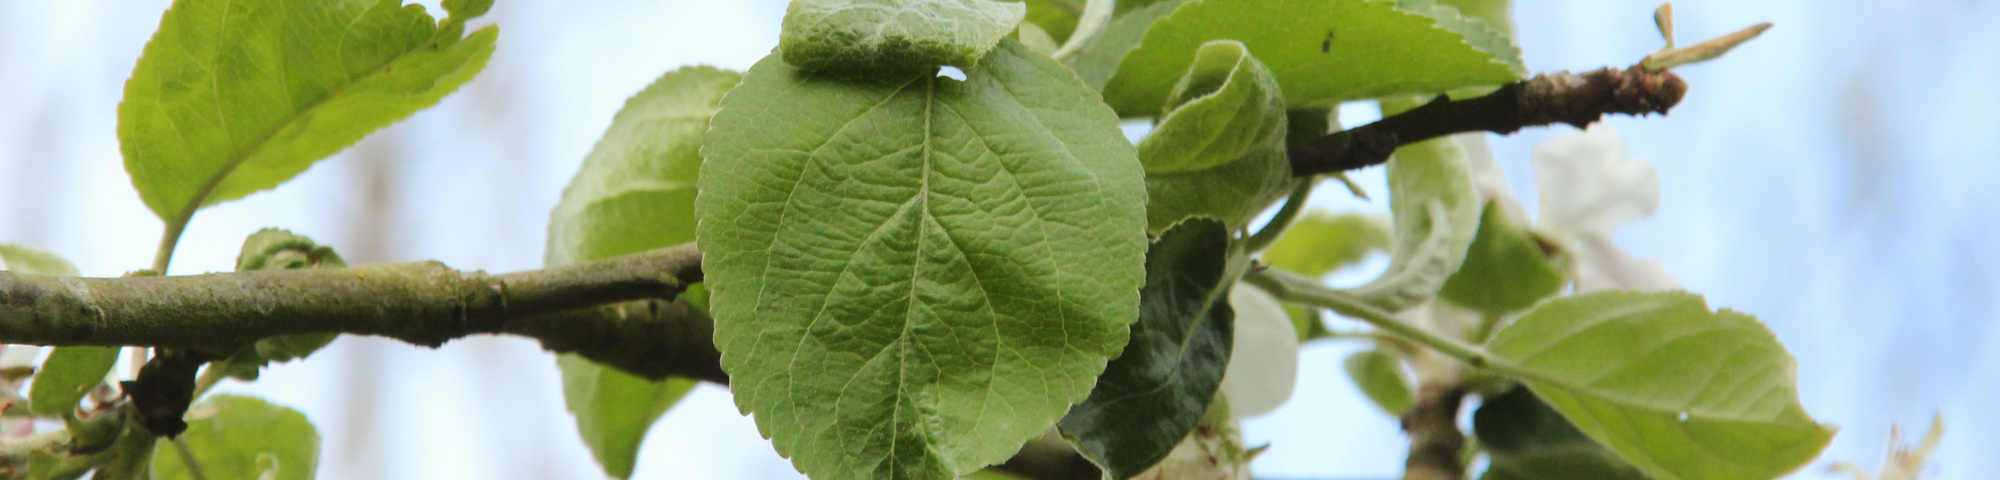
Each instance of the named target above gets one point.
<point>1681,392</point>
<point>635,192</point>
<point>913,275</point>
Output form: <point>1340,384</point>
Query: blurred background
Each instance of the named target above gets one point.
<point>1834,178</point>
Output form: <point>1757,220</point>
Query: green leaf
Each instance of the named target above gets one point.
<point>1097,60</point>
<point>1678,390</point>
<point>1380,376</point>
<point>614,409</point>
<point>66,376</point>
<point>234,97</point>
<point>911,276</point>
<point>1479,32</point>
<point>1056,17</point>
<point>238,437</point>
<point>1505,269</point>
<point>1322,52</point>
<point>1155,393</point>
<point>1220,153</point>
<point>1528,440</point>
<point>1320,242</point>
<point>1498,13</point>
<point>894,36</point>
<point>25,259</point>
<point>1436,215</point>
<point>635,192</point>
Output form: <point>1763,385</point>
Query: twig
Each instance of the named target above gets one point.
<point>1573,98</point>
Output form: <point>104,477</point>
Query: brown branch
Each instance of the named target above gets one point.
<point>579,308</point>
<point>1562,97</point>
<point>1437,446</point>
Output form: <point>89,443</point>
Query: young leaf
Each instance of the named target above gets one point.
<point>1327,51</point>
<point>1220,152</point>
<point>635,192</point>
<point>1380,376</point>
<point>1156,392</point>
<point>68,374</point>
<point>1678,390</point>
<point>1504,271</point>
<point>614,409</point>
<point>234,97</point>
<point>1097,60</point>
<point>1436,214</point>
<point>1527,440</point>
<point>894,36</point>
<point>911,276</point>
<point>234,436</point>
<point>1320,242</point>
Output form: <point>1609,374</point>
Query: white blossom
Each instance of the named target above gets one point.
<point>1264,362</point>
<point>1589,188</point>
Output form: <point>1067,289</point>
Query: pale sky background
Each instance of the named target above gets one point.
<point>1831,178</point>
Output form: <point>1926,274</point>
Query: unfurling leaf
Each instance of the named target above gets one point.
<point>1681,392</point>
<point>1322,52</point>
<point>1155,393</point>
<point>235,97</point>
<point>238,437</point>
<point>1437,216</point>
<point>894,36</point>
<point>635,192</point>
<point>913,275</point>
<point>1220,151</point>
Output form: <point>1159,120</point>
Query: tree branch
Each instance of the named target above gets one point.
<point>1575,99</point>
<point>1436,444</point>
<point>613,311</point>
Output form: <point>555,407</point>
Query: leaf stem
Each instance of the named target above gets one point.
<point>187,458</point>
<point>1297,288</point>
<point>1283,220</point>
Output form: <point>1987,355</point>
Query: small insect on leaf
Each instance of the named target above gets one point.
<point>1327,45</point>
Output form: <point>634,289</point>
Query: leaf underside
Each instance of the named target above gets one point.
<point>893,36</point>
<point>1681,392</point>
<point>635,192</point>
<point>913,275</point>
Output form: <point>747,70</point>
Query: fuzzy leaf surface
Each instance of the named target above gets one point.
<point>913,275</point>
<point>894,36</point>
<point>1220,153</point>
<point>1154,394</point>
<point>234,436</point>
<point>1678,390</point>
<point>235,97</point>
<point>1436,214</point>
<point>1322,52</point>
<point>635,192</point>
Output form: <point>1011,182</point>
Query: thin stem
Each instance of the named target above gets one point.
<point>207,380</point>
<point>187,458</point>
<point>1283,220</point>
<point>169,240</point>
<point>1296,288</point>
